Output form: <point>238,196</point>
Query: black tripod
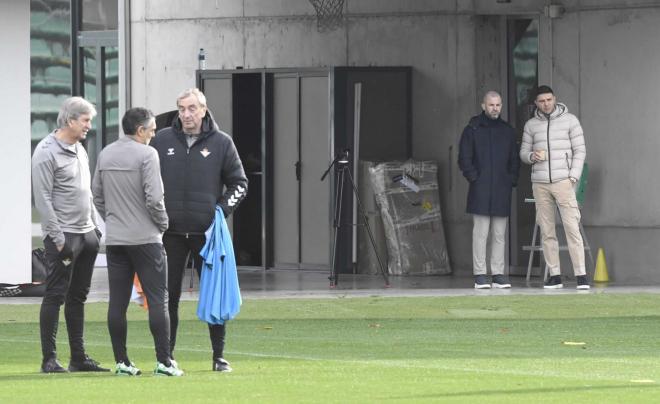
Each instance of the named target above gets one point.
<point>341,169</point>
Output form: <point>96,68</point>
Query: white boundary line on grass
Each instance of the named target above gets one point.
<point>406,363</point>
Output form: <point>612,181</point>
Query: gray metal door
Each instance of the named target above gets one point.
<point>218,92</point>
<point>301,148</point>
<point>314,152</point>
<point>286,221</point>
<point>219,101</point>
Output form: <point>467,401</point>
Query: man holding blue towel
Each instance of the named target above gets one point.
<point>201,169</point>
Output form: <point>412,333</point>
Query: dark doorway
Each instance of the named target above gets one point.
<point>522,75</point>
<point>246,132</point>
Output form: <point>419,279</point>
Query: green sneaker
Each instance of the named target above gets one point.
<point>127,370</point>
<point>172,370</point>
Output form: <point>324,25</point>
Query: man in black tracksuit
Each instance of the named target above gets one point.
<point>201,168</point>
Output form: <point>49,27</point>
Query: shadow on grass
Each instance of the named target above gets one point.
<point>37,375</point>
<point>490,393</point>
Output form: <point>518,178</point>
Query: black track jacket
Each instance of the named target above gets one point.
<point>198,178</point>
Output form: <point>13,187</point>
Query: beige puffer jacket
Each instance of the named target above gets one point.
<point>562,137</point>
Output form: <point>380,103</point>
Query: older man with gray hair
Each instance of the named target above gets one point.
<point>61,185</point>
<point>201,169</point>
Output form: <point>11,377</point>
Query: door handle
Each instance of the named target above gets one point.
<point>451,166</point>
<point>297,170</point>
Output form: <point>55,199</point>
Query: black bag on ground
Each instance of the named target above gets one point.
<point>39,274</point>
<point>39,267</point>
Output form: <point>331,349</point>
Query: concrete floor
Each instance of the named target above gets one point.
<point>260,284</point>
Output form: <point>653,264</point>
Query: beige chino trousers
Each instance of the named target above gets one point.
<point>559,194</point>
<point>496,226</point>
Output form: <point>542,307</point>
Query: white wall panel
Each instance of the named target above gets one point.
<point>15,226</point>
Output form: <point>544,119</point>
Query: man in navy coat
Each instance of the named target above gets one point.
<point>488,158</point>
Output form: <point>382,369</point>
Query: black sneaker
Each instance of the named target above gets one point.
<point>221,365</point>
<point>481,282</point>
<point>554,282</point>
<point>52,366</point>
<point>501,282</point>
<point>582,282</point>
<point>8,291</point>
<point>86,365</point>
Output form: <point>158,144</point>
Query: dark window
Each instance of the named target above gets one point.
<point>50,63</point>
<point>99,15</point>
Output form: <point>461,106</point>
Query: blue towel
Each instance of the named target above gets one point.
<point>219,293</point>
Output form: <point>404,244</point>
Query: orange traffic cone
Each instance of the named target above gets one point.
<point>601,268</point>
<point>138,295</point>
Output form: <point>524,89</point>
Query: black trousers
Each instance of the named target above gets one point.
<point>67,283</point>
<point>149,262</point>
<point>178,247</point>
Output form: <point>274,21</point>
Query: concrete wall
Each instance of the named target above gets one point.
<point>611,80</point>
<point>15,228</point>
<point>601,57</point>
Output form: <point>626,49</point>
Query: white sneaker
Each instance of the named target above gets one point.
<point>172,370</point>
<point>127,370</point>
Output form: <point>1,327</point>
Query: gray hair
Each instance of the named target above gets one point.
<point>201,98</point>
<point>491,94</point>
<point>72,108</point>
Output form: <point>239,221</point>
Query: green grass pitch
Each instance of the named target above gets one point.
<point>584,348</point>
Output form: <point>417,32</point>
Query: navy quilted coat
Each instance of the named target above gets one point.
<point>488,158</point>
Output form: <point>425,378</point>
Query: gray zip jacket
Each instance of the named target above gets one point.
<point>61,187</point>
<point>128,193</point>
<point>562,137</point>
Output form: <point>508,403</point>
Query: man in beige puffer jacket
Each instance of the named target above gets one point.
<point>553,142</point>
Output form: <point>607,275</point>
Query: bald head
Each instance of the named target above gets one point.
<point>492,104</point>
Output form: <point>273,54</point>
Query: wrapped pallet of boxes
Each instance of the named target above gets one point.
<point>367,261</point>
<point>409,202</point>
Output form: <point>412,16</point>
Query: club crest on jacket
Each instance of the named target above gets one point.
<point>205,152</point>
